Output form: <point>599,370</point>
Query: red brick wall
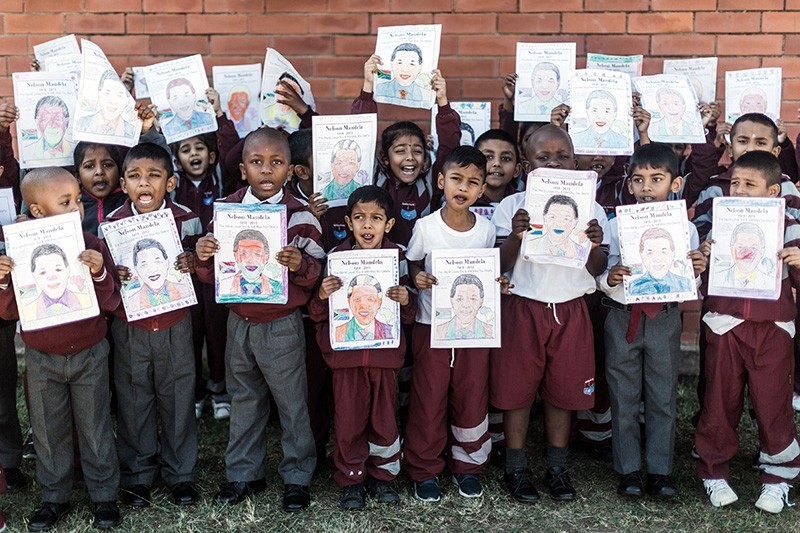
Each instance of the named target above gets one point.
<point>329,40</point>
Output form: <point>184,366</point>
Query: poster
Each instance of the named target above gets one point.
<point>361,315</point>
<point>64,45</point>
<point>149,245</point>
<point>249,238</point>
<point>409,54</point>
<point>600,118</point>
<point>8,210</point>
<point>476,118</point>
<point>344,154</point>
<point>106,111</point>
<point>543,71</point>
<point>747,234</point>
<point>70,64</point>
<point>654,241</point>
<point>51,286</point>
<point>278,71</point>
<point>559,203</point>
<point>702,74</point>
<point>238,87</point>
<point>465,302</point>
<point>140,88</point>
<point>178,89</point>
<point>755,90</point>
<point>630,65</point>
<point>46,102</point>
<point>674,115</point>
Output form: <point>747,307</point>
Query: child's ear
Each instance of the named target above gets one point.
<point>241,169</point>
<point>517,169</point>
<point>212,158</point>
<point>574,163</point>
<point>348,222</point>
<point>774,190</point>
<point>122,184</point>
<point>440,181</point>
<point>2,168</point>
<point>302,172</point>
<point>36,211</point>
<point>676,184</point>
<point>172,182</point>
<point>389,225</point>
<point>177,163</point>
<point>776,150</point>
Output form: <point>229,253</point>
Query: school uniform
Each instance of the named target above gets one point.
<point>366,439</point>
<point>449,388</point>
<point>10,432</point>
<point>154,377</point>
<point>10,178</point>
<point>266,353</point>
<point>750,342</point>
<point>67,376</point>
<point>553,355</point>
<point>643,358</point>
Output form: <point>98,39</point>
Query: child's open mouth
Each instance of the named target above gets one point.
<point>196,164</point>
<point>408,170</point>
<point>460,199</point>
<point>146,199</point>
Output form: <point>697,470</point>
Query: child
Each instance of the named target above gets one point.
<point>367,444</point>
<point>266,349</point>
<point>750,342</point>
<point>153,359</point>
<point>502,166</point>
<point>554,357</point>
<point>642,342</point>
<point>448,386</point>
<point>198,186</point>
<point>79,392</point>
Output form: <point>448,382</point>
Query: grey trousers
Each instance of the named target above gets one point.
<point>645,369</point>
<point>154,379</point>
<point>262,358</point>
<point>10,432</point>
<point>61,389</point>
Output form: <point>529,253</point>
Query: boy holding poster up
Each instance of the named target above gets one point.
<point>643,340</point>
<point>49,192</point>
<point>154,359</point>
<point>750,342</point>
<point>367,444</point>
<point>266,346</point>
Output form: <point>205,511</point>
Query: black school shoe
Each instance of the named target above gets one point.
<point>235,492</point>
<point>135,496</point>
<point>47,516</point>
<point>631,485</point>
<point>560,485</point>
<point>15,480</point>
<point>661,486</point>
<point>185,493</point>
<point>353,497</point>
<point>520,486</point>
<point>296,497</point>
<point>106,515</point>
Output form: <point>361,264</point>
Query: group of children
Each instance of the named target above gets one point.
<point>561,341</point>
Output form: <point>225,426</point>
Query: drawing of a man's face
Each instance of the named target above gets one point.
<point>753,101</point>
<point>345,165</point>
<point>51,274</point>
<point>364,302</point>
<point>560,220</point>
<point>251,258</point>
<point>112,99</point>
<point>466,302</point>
<point>671,106</point>
<point>601,113</point>
<point>545,83</point>
<point>182,99</point>
<point>51,120</point>
<point>657,256</point>
<point>406,66</point>
<point>237,104</point>
<point>747,250</point>
<point>152,266</point>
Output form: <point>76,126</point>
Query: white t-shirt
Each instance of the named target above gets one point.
<point>431,233</point>
<point>545,282</point>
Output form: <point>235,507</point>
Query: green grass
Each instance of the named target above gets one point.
<point>597,508</point>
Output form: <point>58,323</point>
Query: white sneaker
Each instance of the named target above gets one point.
<point>773,497</point>
<point>222,410</point>
<point>198,409</point>
<point>719,492</point>
<point>796,401</point>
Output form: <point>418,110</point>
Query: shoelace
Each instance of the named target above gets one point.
<point>778,490</point>
<point>560,480</point>
<point>523,478</point>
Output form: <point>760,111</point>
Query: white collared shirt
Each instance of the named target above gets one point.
<point>250,198</point>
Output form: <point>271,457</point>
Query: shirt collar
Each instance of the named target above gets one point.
<point>250,198</point>
<point>135,212</point>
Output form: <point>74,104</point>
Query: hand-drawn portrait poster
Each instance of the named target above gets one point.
<point>630,65</point>
<point>600,118</point>
<point>50,285</point>
<point>281,77</point>
<point>106,111</point>
<point>559,203</point>
<point>755,90</point>
<point>747,233</point>
<point>702,74</point>
<point>140,87</point>
<point>465,302</point>
<point>46,102</point>
<point>672,104</point>
<point>238,87</point>
<point>361,315</point>
<point>178,89</point>
<point>70,64</point>
<point>476,118</point>
<point>654,242</point>
<point>543,71</point>
<point>408,54</point>
<point>249,238</point>
<point>344,154</point>
<point>64,45</point>
<point>148,245</point>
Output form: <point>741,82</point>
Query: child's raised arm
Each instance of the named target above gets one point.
<point>506,111</point>
<point>9,176</point>
<point>364,102</point>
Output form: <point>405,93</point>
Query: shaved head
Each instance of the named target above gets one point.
<point>266,135</point>
<point>36,182</point>
<point>550,131</point>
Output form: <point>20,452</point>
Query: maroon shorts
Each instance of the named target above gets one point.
<point>546,348</point>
